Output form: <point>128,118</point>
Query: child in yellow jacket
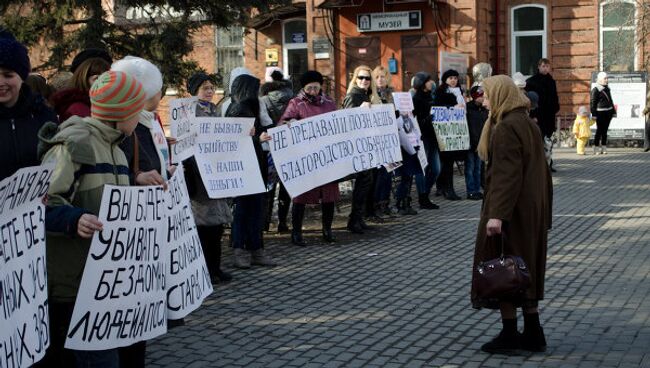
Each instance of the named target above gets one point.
<point>582,130</point>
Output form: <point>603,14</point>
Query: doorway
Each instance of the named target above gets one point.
<point>419,53</point>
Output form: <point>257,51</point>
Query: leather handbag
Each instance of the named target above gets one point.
<point>501,277</point>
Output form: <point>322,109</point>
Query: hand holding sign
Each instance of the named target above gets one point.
<point>87,225</point>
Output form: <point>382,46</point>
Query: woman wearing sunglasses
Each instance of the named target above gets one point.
<point>362,91</point>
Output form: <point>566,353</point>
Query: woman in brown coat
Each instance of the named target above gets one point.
<point>517,203</point>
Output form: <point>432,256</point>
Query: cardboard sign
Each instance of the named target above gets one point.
<point>451,129</point>
<point>181,112</point>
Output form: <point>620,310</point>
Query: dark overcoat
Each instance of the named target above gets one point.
<point>519,192</point>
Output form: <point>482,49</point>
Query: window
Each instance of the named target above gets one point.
<point>617,36</point>
<point>528,38</point>
<point>230,51</point>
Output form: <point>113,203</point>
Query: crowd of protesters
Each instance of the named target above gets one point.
<point>99,124</point>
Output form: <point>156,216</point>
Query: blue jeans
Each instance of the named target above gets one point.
<point>97,358</point>
<point>424,182</point>
<point>383,184</point>
<point>248,221</point>
<point>473,172</point>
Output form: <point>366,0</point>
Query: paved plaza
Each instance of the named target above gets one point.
<point>399,295</point>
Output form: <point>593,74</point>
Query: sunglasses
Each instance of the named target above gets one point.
<point>363,77</point>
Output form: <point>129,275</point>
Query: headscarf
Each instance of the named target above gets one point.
<point>504,97</point>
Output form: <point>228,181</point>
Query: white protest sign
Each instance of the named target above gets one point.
<point>226,157</point>
<point>327,147</point>
<point>410,134</point>
<point>403,101</point>
<point>122,298</point>
<point>188,279</point>
<point>181,112</point>
<point>451,129</point>
<point>24,322</point>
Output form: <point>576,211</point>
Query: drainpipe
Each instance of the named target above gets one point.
<point>496,36</point>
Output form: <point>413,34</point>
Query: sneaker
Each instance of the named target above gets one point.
<point>241,258</point>
<point>475,196</point>
<point>503,344</point>
<point>261,258</point>
<point>603,150</point>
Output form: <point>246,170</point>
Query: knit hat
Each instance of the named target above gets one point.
<point>519,79</point>
<point>116,96</point>
<point>420,79</point>
<point>447,74</point>
<point>476,92</point>
<point>583,111</point>
<point>195,81</point>
<point>88,54</point>
<point>142,70</point>
<point>309,77</point>
<point>13,55</point>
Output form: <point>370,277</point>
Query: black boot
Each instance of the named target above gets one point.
<point>533,337</point>
<point>425,202</point>
<point>507,342</point>
<point>451,195</point>
<point>297,215</point>
<point>328,218</point>
<point>354,225</point>
<point>283,211</point>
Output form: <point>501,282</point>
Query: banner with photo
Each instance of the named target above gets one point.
<point>324,148</point>
<point>24,321</point>
<point>451,128</point>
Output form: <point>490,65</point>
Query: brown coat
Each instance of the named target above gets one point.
<point>519,192</point>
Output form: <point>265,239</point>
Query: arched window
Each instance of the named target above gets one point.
<point>617,35</point>
<point>528,37</point>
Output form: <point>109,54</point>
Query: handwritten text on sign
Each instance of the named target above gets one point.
<point>451,129</point>
<point>24,323</point>
<point>226,157</point>
<point>181,112</point>
<point>327,147</point>
<point>122,297</point>
<point>188,279</point>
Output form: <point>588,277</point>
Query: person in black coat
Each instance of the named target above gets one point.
<point>448,94</point>
<point>602,108</point>
<point>544,85</point>
<point>422,102</point>
<point>22,113</point>
<point>476,117</point>
<point>248,215</point>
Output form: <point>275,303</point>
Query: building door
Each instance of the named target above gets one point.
<point>361,51</point>
<point>419,53</point>
<point>294,50</point>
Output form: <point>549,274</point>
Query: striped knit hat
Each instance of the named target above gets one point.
<point>116,96</point>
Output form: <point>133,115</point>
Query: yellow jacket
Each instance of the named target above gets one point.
<point>581,126</point>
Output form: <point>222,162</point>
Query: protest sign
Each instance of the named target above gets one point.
<point>226,157</point>
<point>410,134</point>
<point>122,296</point>
<point>323,148</point>
<point>188,279</point>
<point>451,129</point>
<point>181,112</point>
<point>24,322</point>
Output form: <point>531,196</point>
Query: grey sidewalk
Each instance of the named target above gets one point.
<point>398,296</point>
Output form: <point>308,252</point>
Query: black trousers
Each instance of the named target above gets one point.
<point>602,125</point>
<point>210,237</point>
<point>284,202</point>
<point>362,184</point>
<point>646,136</point>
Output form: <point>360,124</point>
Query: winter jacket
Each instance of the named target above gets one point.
<point>443,97</point>
<point>386,94</point>
<point>207,211</point>
<point>548,105</point>
<point>422,103</point>
<point>70,102</point>
<point>601,100</point>
<point>301,107</point>
<point>356,97</point>
<point>275,97</point>
<point>149,155</point>
<point>87,156</point>
<point>476,117</point>
<point>581,126</point>
<point>19,127</point>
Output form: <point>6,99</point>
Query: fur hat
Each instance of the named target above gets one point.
<point>195,81</point>
<point>309,77</point>
<point>116,96</point>
<point>13,55</point>
<point>447,74</point>
<point>142,70</point>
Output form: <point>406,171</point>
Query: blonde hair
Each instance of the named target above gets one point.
<point>381,70</point>
<point>503,96</point>
<point>374,97</point>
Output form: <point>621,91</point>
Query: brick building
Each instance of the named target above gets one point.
<point>334,36</point>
